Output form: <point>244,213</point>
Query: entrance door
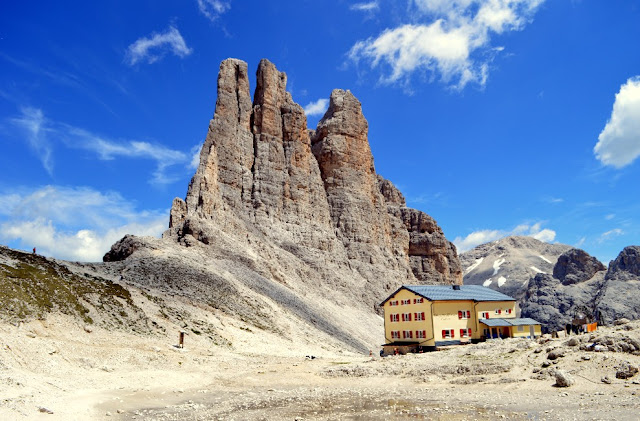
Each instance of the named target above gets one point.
<point>532,332</point>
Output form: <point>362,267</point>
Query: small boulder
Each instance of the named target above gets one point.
<point>606,380</point>
<point>622,321</point>
<point>563,379</point>
<point>555,354</point>
<point>573,341</point>
<point>626,371</point>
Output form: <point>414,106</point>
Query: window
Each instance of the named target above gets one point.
<point>407,334</point>
<point>498,311</point>
<point>448,333</point>
<point>520,328</point>
<point>464,314</point>
<point>395,317</point>
<point>421,334</point>
<point>395,334</point>
<point>405,302</point>
<point>393,303</point>
<point>419,316</point>
<point>465,333</point>
<point>418,300</point>
<point>485,315</point>
<point>406,317</point>
<point>508,311</point>
<point>486,333</point>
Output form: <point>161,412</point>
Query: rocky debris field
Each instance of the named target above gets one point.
<point>59,371</point>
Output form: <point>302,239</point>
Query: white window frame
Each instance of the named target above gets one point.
<point>395,317</point>
<point>450,333</point>
<point>395,334</point>
<point>405,302</point>
<point>466,314</point>
<point>467,333</point>
<point>393,303</point>
<point>419,317</point>
<point>406,317</point>
<point>421,334</point>
<point>407,334</point>
<point>484,315</point>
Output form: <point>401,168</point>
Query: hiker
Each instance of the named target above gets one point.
<point>34,250</point>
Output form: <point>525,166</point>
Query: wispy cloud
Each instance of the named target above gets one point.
<point>605,236</point>
<point>212,9</point>
<point>32,123</point>
<point>619,142</point>
<point>452,42</point>
<point>40,130</point>
<point>154,47</point>
<point>485,236</point>
<point>73,223</point>
<point>316,107</point>
<point>365,7</point>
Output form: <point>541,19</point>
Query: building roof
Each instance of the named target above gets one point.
<point>448,293</point>
<point>525,321</point>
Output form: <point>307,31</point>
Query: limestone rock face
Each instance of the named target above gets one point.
<point>292,217</point>
<point>575,266</point>
<point>626,265</point>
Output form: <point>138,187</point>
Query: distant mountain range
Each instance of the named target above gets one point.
<point>555,282</point>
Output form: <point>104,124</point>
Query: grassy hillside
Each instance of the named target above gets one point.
<point>32,286</point>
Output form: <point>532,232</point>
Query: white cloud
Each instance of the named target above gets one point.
<point>605,236</point>
<point>195,156</point>
<point>485,236</point>
<point>365,7</point>
<point>212,9</point>
<point>41,129</point>
<point>619,142</point>
<point>157,45</point>
<point>73,223</point>
<point>32,122</point>
<point>317,107</point>
<point>453,42</point>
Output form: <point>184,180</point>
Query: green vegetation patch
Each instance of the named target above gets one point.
<point>32,286</point>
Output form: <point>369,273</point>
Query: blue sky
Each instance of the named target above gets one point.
<point>496,117</point>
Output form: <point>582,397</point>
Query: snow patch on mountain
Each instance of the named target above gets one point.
<point>496,266</point>
<point>475,265</point>
<point>545,259</point>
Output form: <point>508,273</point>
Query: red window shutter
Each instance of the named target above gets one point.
<point>459,315</point>
<point>409,316</point>
<point>391,317</point>
<point>487,315</point>
<point>423,316</point>
<point>469,332</point>
<point>499,311</point>
<point>461,333</point>
<point>453,333</point>
<point>444,333</point>
<point>468,314</point>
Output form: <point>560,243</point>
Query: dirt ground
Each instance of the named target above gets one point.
<point>55,369</point>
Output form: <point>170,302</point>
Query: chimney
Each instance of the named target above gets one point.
<point>456,287</point>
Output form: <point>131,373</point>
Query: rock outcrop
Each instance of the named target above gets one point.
<point>296,218</point>
<point>626,265</point>
<point>575,266</point>
<point>582,285</point>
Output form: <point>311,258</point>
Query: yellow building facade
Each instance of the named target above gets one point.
<point>427,316</point>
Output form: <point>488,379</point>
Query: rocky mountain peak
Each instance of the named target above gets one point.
<point>293,218</point>
<point>626,265</point>
<point>575,266</point>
